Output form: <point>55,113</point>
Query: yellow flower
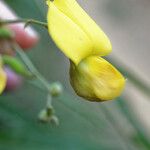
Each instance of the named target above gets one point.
<point>2,77</point>
<point>96,79</point>
<point>83,42</point>
<point>74,32</point>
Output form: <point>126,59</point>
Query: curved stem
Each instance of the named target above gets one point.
<point>26,21</point>
<point>32,68</point>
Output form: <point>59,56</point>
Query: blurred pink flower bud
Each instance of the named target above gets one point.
<point>27,37</point>
<point>14,81</point>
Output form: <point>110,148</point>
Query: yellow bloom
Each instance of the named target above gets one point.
<point>74,32</point>
<point>2,78</point>
<point>83,42</point>
<point>96,79</point>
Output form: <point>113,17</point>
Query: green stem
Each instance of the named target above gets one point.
<point>32,68</point>
<point>26,21</point>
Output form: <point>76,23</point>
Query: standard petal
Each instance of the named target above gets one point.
<point>68,36</point>
<point>96,79</point>
<point>72,9</point>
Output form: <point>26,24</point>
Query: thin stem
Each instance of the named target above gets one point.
<point>49,101</point>
<point>26,21</point>
<point>32,68</point>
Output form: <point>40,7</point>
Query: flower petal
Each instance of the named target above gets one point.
<point>2,77</point>
<point>70,38</point>
<point>2,80</point>
<point>72,9</point>
<point>96,79</point>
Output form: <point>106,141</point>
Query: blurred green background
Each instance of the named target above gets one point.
<point>83,125</point>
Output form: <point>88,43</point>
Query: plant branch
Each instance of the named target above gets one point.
<point>26,21</point>
<point>32,68</point>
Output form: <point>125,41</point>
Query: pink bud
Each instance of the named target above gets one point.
<point>14,81</point>
<point>27,37</point>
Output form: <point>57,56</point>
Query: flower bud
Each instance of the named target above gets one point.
<point>13,80</point>
<point>16,65</point>
<point>56,89</point>
<point>47,116</point>
<point>43,116</point>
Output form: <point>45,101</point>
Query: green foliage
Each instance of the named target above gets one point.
<point>5,33</point>
<point>16,65</point>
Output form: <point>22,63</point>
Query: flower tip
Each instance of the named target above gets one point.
<point>107,49</point>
